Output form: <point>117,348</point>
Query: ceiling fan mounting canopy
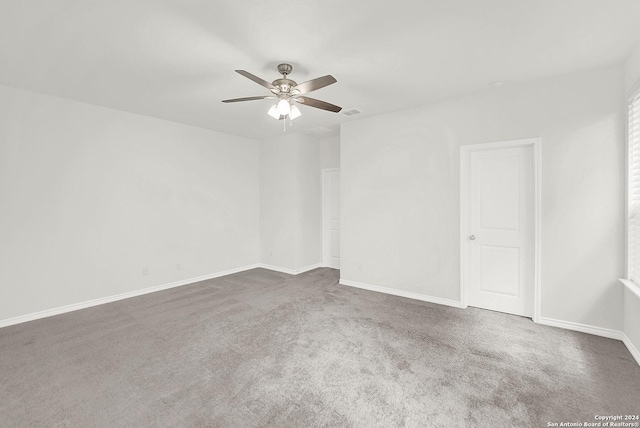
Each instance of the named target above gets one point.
<point>285,69</point>
<point>289,90</point>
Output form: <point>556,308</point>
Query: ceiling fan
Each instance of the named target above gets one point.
<point>288,92</point>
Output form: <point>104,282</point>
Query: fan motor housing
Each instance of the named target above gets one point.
<point>284,84</point>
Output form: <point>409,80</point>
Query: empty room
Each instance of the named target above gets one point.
<point>320,213</point>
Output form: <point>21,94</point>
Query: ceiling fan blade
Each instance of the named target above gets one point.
<point>314,84</point>
<point>312,102</point>
<point>256,79</point>
<point>235,100</point>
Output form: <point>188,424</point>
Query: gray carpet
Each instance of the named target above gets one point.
<point>260,348</point>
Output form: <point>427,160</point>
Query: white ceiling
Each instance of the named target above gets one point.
<point>175,59</point>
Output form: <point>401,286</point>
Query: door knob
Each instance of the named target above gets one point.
<point>472,237</point>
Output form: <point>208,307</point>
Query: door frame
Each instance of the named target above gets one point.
<point>325,243</point>
<point>465,155</point>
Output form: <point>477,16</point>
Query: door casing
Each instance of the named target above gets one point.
<point>326,242</point>
<point>465,152</point>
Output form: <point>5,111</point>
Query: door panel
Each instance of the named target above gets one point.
<point>499,270</point>
<point>499,192</point>
<point>499,260</point>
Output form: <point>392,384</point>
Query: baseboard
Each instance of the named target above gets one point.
<point>401,293</point>
<point>596,331</point>
<point>290,271</point>
<point>583,328</point>
<point>95,302</point>
<point>101,301</point>
<point>631,347</point>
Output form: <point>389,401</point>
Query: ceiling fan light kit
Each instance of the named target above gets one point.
<point>288,92</point>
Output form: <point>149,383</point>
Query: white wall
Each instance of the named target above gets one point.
<point>89,196</point>
<point>309,238</point>
<point>632,69</point>
<point>400,191</point>
<point>631,313</point>
<point>329,153</point>
<point>290,202</point>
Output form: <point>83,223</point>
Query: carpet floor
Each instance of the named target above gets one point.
<point>261,348</point>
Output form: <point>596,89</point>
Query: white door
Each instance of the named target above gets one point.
<point>331,218</point>
<point>498,267</point>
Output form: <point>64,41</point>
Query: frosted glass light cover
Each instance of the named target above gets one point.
<point>273,112</point>
<point>284,107</point>
<point>295,112</point>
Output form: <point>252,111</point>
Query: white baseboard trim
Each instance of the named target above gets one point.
<point>596,331</point>
<point>631,347</point>
<point>290,271</point>
<point>100,301</point>
<point>583,328</point>
<point>401,293</point>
